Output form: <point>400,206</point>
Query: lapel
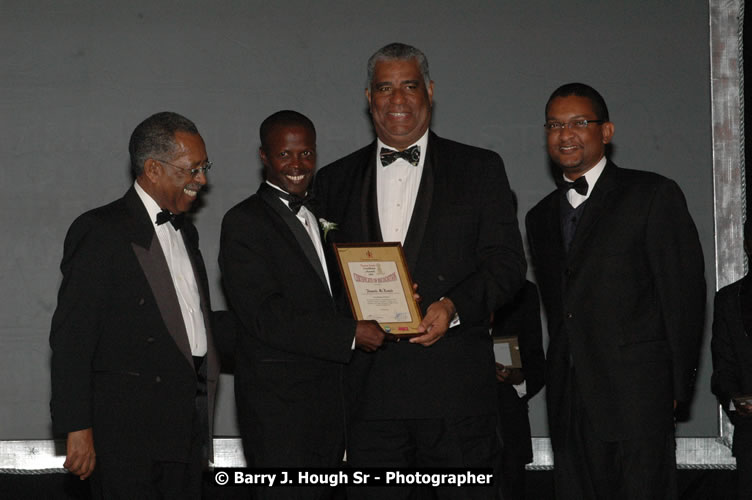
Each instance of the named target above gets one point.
<point>596,205</point>
<point>266,192</point>
<point>422,208</point>
<point>369,208</point>
<point>152,260</point>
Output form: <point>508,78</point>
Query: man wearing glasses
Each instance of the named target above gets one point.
<point>134,369</point>
<point>620,270</point>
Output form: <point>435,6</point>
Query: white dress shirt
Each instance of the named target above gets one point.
<point>396,190</point>
<point>591,176</point>
<point>181,271</point>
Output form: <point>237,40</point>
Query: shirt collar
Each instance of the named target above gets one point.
<point>591,176</point>
<point>151,206</point>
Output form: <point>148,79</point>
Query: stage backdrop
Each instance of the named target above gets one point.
<point>76,77</point>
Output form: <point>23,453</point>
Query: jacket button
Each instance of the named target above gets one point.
<point>141,301</point>
<point>157,379</point>
<point>570,315</point>
<point>440,277</point>
<point>150,340</point>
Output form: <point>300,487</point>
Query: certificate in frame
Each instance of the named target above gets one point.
<point>379,286</point>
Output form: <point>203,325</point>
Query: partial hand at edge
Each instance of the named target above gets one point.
<point>80,457</point>
<point>369,336</point>
<point>435,323</point>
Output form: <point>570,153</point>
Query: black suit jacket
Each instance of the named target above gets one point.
<point>291,355</point>
<point>463,242</point>
<point>121,362</point>
<point>520,318</point>
<point>732,353</point>
<point>625,306</point>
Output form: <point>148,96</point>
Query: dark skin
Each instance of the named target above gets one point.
<point>173,187</point>
<point>289,160</point>
<point>513,376</point>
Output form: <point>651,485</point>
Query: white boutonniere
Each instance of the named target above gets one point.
<point>327,226</point>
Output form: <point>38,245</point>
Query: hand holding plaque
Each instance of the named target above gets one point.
<point>379,287</point>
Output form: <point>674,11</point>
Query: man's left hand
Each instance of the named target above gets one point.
<point>435,323</point>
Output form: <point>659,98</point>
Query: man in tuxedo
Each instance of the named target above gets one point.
<point>731,347</point>
<point>620,269</point>
<point>516,386</point>
<point>134,369</point>
<point>291,355</point>
<point>429,401</point>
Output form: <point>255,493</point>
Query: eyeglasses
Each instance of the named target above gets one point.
<point>193,171</point>
<point>575,124</point>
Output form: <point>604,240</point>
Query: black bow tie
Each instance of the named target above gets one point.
<point>580,185</point>
<point>410,155</point>
<point>295,201</point>
<point>175,219</point>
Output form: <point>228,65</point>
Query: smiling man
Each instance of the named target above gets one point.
<point>291,356</point>
<point>429,401</point>
<point>620,270</point>
<point>134,368</point>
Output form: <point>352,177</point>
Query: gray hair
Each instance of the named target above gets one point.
<point>401,52</point>
<point>155,137</point>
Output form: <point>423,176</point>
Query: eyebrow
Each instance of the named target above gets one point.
<point>403,82</point>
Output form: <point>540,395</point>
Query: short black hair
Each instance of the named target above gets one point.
<point>155,136</point>
<point>284,118</point>
<point>582,90</point>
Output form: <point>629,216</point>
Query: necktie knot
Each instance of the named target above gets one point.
<point>580,185</point>
<point>410,155</point>
<point>175,219</point>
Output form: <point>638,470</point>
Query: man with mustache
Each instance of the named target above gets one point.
<point>620,270</point>
<point>134,368</point>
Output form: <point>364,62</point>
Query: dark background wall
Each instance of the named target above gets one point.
<point>76,77</point>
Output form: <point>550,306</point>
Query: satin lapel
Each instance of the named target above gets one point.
<point>267,194</point>
<point>422,208</point>
<point>369,208</point>
<point>596,203</point>
<point>153,262</point>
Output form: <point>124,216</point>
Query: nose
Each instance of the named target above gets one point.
<point>566,131</point>
<point>200,178</point>
<point>397,95</point>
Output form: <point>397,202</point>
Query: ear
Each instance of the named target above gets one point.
<point>368,97</point>
<point>430,93</point>
<point>152,170</point>
<point>607,132</point>
<point>262,155</point>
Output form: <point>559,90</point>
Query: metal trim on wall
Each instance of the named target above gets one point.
<point>726,77</point>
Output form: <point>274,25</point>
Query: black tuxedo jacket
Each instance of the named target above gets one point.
<point>121,362</point>
<point>625,305</point>
<point>732,353</point>
<point>463,242</point>
<point>291,354</point>
<point>521,318</point>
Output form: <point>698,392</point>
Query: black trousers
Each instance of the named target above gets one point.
<point>146,478</point>
<point>586,467</point>
<point>465,442</point>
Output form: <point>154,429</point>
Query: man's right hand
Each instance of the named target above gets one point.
<point>80,457</point>
<point>369,336</point>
